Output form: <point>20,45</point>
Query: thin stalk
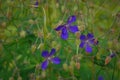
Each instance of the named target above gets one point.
<point>45,27</point>
<point>113,70</point>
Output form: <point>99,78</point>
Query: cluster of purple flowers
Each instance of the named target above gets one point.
<point>86,41</point>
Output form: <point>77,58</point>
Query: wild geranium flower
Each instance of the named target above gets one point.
<point>100,78</point>
<point>87,42</point>
<point>67,27</point>
<point>36,4</point>
<point>112,55</point>
<point>49,58</point>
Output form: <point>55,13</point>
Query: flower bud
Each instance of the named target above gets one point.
<point>19,78</point>
<point>110,44</point>
<point>22,34</point>
<point>49,36</point>
<point>53,44</point>
<point>58,47</point>
<point>31,21</point>
<point>58,33</point>
<point>33,48</point>
<point>81,27</point>
<point>77,65</point>
<point>107,60</point>
<point>71,69</point>
<point>3,24</point>
<point>77,41</point>
<point>39,34</point>
<point>11,78</point>
<point>41,46</point>
<point>75,8</point>
<point>65,66</point>
<point>98,55</point>
<point>77,35</point>
<point>57,5</point>
<point>63,8</point>
<point>9,14</point>
<point>37,77</point>
<point>31,76</point>
<point>43,74</point>
<point>72,63</point>
<point>37,66</point>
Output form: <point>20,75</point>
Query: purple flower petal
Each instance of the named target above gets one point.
<point>36,4</point>
<point>52,52</point>
<point>73,29</point>
<point>56,60</point>
<point>82,37</point>
<point>90,36</point>
<point>95,41</point>
<point>64,34</point>
<point>88,48</point>
<point>59,27</point>
<point>71,19</point>
<point>82,44</point>
<point>112,55</point>
<point>45,54</point>
<point>100,78</point>
<point>44,64</point>
<point>91,41</point>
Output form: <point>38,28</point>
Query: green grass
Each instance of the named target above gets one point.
<point>25,31</point>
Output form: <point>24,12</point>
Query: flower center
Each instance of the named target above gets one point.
<point>49,58</point>
<point>87,41</point>
<point>67,26</point>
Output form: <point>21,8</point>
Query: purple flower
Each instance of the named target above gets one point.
<point>68,27</point>
<point>100,78</point>
<point>112,55</point>
<point>49,58</point>
<point>87,42</point>
<point>36,4</point>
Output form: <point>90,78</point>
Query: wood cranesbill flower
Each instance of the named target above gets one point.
<point>112,55</point>
<point>87,42</point>
<point>100,78</point>
<point>36,4</point>
<point>49,58</point>
<point>67,27</point>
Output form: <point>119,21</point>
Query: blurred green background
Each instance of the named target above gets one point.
<point>26,30</point>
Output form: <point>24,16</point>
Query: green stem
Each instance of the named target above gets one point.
<point>45,27</point>
<point>113,70</point>
<point>77,49</point>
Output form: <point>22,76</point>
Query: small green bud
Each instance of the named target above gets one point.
<point>53,44</point>
<point>65,66</point>
<point>41,46</point>
<point>33,48</point>
<point>11,78</point>
<point>3,24</point>
<point>22,34</point>
<point>37,78</point>
<point>77,35</point>
<point>31,21</point>
<point>77,65</point>
<point>81,27</point>
<point>43,74</point>
<point>75,8</point>
<point>72,63</point>
<point>19,78</point>
<point>110,44</point>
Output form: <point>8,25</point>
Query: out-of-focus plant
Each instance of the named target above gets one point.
<point>27,28</point>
